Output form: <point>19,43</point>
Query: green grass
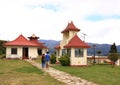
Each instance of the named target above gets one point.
<point>101,74</point>
<point>19,72</point>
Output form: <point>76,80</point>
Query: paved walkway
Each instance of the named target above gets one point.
<point>62,76</point>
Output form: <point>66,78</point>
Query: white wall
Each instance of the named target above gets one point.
<point>78,61</point>
<point>9,55</point>
<point>33,52</point>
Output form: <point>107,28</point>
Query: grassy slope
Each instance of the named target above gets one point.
<point>101,74</point>
<point>17,72</point>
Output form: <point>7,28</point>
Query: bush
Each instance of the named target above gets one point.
<point>65,60</point>
<point>113,57</point>
<point>2,56</point>
<point>52,59</point>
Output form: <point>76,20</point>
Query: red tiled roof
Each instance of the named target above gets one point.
<point>57,47</point>
<point>22,41</point>
<point>70,27</point>
<point>76,42</point>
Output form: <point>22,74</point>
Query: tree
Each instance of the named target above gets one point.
<point>113,48</point>
<point>2,48</point>
<point>113,54</point>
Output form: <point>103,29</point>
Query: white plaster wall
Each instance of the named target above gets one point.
<point>20,51</point>
<point>9,55</point>
<point>78,60</point>
<point>33,52</point>
<point>72,34</point>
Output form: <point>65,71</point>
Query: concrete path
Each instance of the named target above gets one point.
<point>62,76</point>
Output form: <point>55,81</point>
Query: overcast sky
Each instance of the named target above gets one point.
<point>99,19</point>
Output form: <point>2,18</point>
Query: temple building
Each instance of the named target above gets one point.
<point>22,48</point>
<point>72,45</point>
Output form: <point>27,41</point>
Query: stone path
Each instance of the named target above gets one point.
<point>62,76</point>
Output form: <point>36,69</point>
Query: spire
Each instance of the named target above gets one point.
<point>33,38</point>
<point>70,27</point>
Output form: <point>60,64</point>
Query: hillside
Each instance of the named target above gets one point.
<point>103,47</point>
<point>50,44</point>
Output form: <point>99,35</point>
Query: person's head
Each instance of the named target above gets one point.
<point>47,52</point>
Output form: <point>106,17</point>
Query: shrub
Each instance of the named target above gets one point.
<point>113,57</point>
<point>65,60</point>
<point>52,59</point>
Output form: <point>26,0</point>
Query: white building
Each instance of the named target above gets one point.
<point>73,45</point>
<point>22,48</point>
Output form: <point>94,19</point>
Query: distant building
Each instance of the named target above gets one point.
<point>23,48</point>
<point>72,45</point>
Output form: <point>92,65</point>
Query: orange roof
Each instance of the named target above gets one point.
<point>76,42</point>
<point>70,27</point>
<point>22,41</point>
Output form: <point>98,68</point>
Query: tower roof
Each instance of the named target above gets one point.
<point>76,42</point>
<point>70,27</point>
<point>33,36</point>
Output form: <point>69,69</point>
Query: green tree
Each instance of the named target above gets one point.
<point>113,54</point>
<point>2,49</point>
<point>113,48</point>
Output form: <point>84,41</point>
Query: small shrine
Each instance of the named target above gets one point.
<point>72,45</point>
<point>22,48</point>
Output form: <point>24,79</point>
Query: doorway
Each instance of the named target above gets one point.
<point>39,51</point>
<point>25,52</point>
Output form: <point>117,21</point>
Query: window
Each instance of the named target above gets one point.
<point>13,50</point>
<point>78,52</point>
<point>69,52</point>
<point>63,52</point>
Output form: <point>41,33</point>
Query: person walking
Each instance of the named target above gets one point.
<point>47,59</point>
<point>43,60</point>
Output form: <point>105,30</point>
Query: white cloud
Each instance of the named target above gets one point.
<point>32,16</point>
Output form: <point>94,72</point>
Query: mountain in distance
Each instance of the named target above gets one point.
<point>105,48</point>
<point>50,44</point>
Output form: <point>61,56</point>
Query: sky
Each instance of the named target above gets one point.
<point>98,19</point>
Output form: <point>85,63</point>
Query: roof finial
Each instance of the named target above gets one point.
<point>33,35</point>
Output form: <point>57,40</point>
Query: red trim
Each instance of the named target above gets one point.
<point>96,58</point>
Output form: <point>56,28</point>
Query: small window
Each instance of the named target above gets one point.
<point>63,52</point>
<point>13,50</point>
<point>69,52</point>
<point>78,52</point>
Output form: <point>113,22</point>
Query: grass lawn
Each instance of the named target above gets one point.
<point>19,72</point>
<point>101,74</point>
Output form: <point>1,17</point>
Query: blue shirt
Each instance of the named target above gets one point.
<point>47,57</point>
